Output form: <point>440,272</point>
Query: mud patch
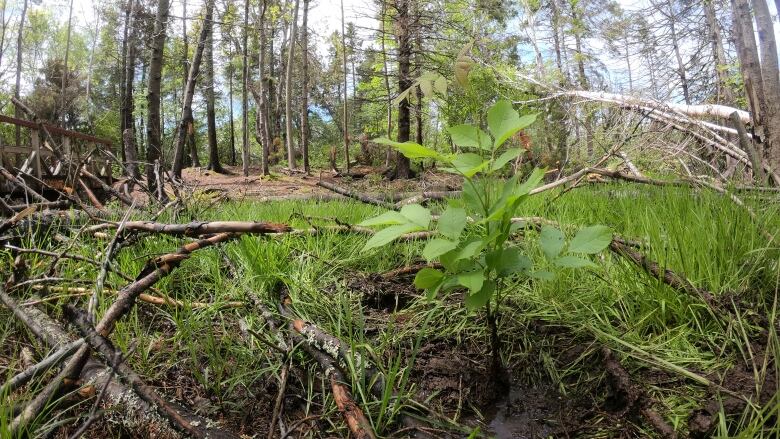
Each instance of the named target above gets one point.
<point>382,294</point>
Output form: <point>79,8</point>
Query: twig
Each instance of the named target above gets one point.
<point>47,363</point>
<point>357,196</point>
<point>93,301</point>
<point>182,418</point>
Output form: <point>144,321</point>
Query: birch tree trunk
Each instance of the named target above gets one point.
<point>63,95</point>
<point>130,150</point>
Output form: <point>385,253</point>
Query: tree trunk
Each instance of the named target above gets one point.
<point>130,151</point>
<point>770,80</point>
<point>17,95</point>
<point>676,47</point>
<point>261,115</point>
<point>386,75</point>
<point>288,90</point>
<point>403,167</point>
<point>211,116</point>
<point>345,128</point>
<point>186,124</point>
<point>90,65</point>
<point>718,53</point>
<point>750,66</point>
<point>232,125</point>
<point>305,86</point>
<point>244,100</point>
<point>556,29</point>
<point>583,80</point>
<point>153,129</point>
<point>63,100</point>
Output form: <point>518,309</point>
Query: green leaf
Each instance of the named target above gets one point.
<point>513,261</point>
<point>386,218</point>
<point>505,158</point>
<point>440,84</point>
<point>426,86</point>
<point>417,215</point>
<point>437,247</point>
<point>409,149</point>
<point>533,180</point>
<point>504,122</point>
<point>591,240</point>
<point>471,196</point>
<point>542,275</point>
<point>468,163</point>
<point>388,234</point>
<point>428,278</point>
<point>472,280</point>
<point>481,297</point>
<point>401,96</point>
<point>452,222</point>
<point>551,242</point>
<point>472,247</point>
<point>572,262</point>
<point>469,136</point>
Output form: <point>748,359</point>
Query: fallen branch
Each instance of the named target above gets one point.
<point>356,421</point>
<point>665,275</point>
<point>52,360</point>
<point>355,195</point>
<point>182,418</point>
<point>197,228</point>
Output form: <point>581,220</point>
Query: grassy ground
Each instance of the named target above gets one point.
<point>686,363</point>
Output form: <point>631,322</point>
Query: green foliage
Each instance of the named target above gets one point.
<point>482,257</point>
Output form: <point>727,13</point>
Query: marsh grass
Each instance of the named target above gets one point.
<point>203,358</point>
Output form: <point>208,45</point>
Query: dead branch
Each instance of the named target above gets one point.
<point>665,275</point>
<point>198,228</point>
<point>355,195</point>
<point>52,360</point>
<point>182,418</point>
<point>633,397</point>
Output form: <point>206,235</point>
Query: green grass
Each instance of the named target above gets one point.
<point>702,235</point>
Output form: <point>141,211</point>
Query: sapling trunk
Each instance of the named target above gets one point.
<point>498,372</point>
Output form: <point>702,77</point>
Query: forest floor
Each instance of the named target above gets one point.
<point>605,352</point>
<point>285,185</point>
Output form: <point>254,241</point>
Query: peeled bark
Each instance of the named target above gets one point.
<point>154,148</point>
<point>712,110</point>
<point>186,123</point>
